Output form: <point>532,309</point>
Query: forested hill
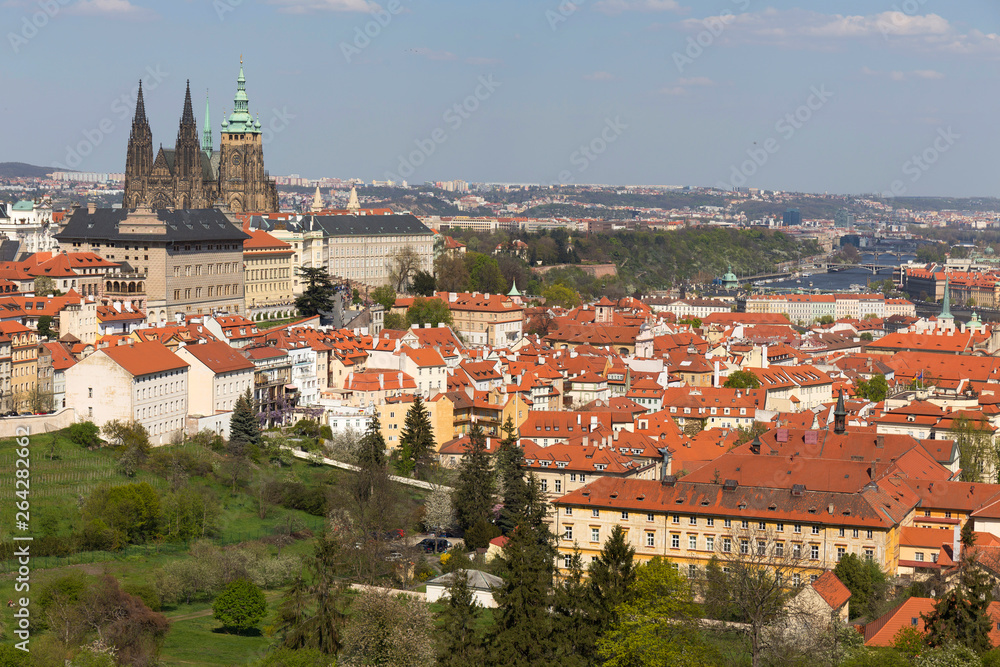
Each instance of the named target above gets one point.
<point>23,170</point>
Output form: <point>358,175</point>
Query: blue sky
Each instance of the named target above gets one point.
<point>845,97</point>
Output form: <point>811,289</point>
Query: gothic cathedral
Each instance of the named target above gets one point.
<point>195,176</point>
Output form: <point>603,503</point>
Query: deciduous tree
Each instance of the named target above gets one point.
<point>241,606</point>
<point>401,266</point>
<point>431,311</point>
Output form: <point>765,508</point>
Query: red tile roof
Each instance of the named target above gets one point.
<point>219,357</point>
<point>832,590</point>
<point>144,358</point>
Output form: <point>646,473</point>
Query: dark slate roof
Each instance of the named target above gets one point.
<point>8,250</point>
<point>192,224</point>
<point>3,210</point>
<point>349,225</point>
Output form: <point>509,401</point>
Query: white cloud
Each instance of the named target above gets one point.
<point>484,61</point>
<point>806,29</point>
<point>431,54</point>
<point>619,6</point>
<point>696,81</point>
<point>599,76</point>
<point>674,90</point>
<point>111,8</point>
<point>308,6</point>
<point>897,75</point>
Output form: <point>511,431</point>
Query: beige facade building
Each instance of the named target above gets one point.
<point>191,261</point>
<point>355,247</point>
<point>23,362</point>
<point>485,319</point>
<point>218,374</point>
<point>268,267</point>
<point>142,382</point>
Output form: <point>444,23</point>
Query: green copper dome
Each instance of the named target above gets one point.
<point>513,290</point>
<point>241,120</point>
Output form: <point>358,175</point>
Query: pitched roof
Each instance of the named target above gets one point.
<point>832,589</point>
<point>144,358</point>
<point>219,357</point>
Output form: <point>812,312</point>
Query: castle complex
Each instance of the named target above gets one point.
<point>192,174</point>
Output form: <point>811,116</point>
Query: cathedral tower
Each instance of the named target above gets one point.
<point>139,158</point>
<point>187,160</point>
<point>244,185</point>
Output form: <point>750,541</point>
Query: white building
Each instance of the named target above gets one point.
<point>142,382</point>
<point>29,223</point>
<point>218,376</point>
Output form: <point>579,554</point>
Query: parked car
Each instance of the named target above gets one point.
<point>433,545</point>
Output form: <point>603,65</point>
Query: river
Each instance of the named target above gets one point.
<point>841,281</point>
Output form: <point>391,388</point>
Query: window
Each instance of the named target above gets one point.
<point>761,547</point>
<point>693,521</point>
<point>840,532</point>
<point>779,527</point>
<point>583,478</point>
<point>568,561</point>
<point>728,523</point>
<point>558,486</point>
<point>572,477</point>
<point>855,533</point>
<point>745,523</point>
<point>797,551</point>
<point>870,554</point>
<point>649,516</point>
<point>814,552</point>
<point>90,392</point>
<point>624,515</point>
<point>815,530</point>
<point>709,522</point>
<point>676,518</point>
<point>919,556</point>
<point>545,485</point>
<point>675,541</point>
<point>744,546</point>
<point>650,539</point>
<point>840,553</point>
<point>692,571</point>
<point>870,534</point>
<point>710,543</point>
<point>796,579</point>
<point>779,549</point>
<point>569,511</point>
<point>568,533</point>
<point>595,534</point>
<point>798,528</point>
<point>761,525</point>
<point>595,513</point>
<point>692,542</point>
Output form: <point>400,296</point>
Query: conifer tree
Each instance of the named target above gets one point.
<point>417,441</point>
<point>510,476</point>
<point>371,460</point>
<point>460,644</point>
<point>474,493</point>
<point>523,627</point>
<point>575,623</point>
<point>612,575</point>
<point>961,616</point>
<point>244,428</point>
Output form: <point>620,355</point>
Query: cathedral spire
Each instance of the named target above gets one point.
<point>140,108</point>
<point>206,134</point>
<point>317,204</point>
<point>240,121</point>
<point>946,303</point>
<point>188,115</point>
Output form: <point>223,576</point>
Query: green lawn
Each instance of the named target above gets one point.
<point>197,640</point>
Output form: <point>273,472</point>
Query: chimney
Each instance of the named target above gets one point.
<point>715,380</point>
<point>829,509</point>
<point>763,356</point>
<point>880,442</point>
<point>579,418</point>
<point>91,207</point>
<point>956,544</point>
<point>381,381</point>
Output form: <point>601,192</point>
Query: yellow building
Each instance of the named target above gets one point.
<point>268,270</point>
<point>691,522</point>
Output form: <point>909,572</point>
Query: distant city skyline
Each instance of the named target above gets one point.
<point>841,97</point>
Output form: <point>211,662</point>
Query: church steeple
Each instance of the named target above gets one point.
<point>187,157</point>
<point>946,303</point>
<point>840,415</point>
<point>317,204</point>
<point>240,121</point>
<point>206,134</point>
<point>140,109</point>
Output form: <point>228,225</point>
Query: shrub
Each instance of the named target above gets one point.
<point>86,434</point>
<point>241,606</point>
<point>145,592</point>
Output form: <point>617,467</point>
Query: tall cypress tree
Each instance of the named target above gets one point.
<point>244,429</point>
<point>474,493</point>
<point>510,476</point>
<point>417,441</point>
<point>372,464</point>
<point>612,575</point>
<point>523,628</point>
